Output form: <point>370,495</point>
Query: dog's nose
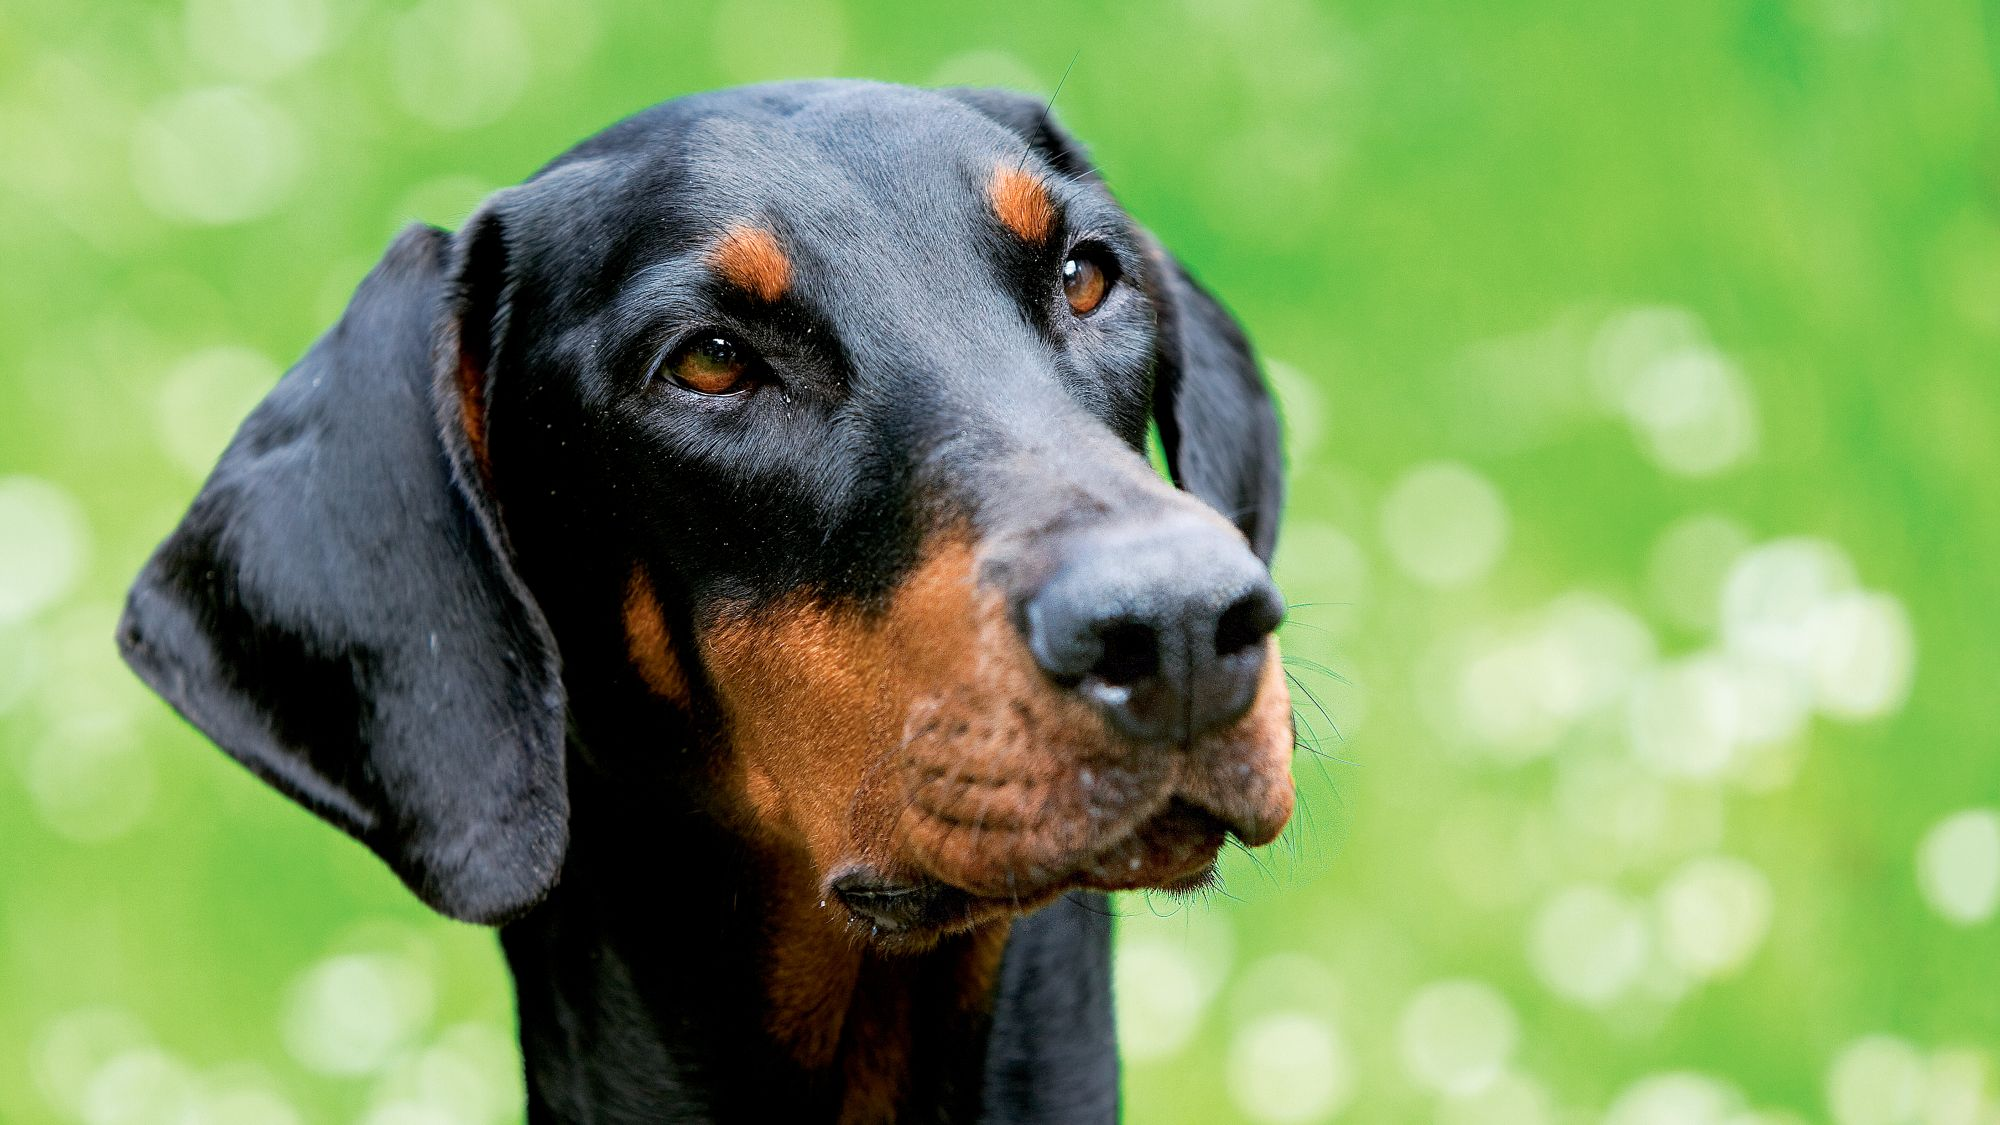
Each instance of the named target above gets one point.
<point>1161,626</point>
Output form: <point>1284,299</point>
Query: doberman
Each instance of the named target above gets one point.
<point>730,564</point>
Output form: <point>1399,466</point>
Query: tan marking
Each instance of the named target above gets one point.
<point>811,964</point>
<point>978,973</point>
<point>471,384</point>
<point>938,749</point>
<point>648,642</point>
<point>841,1007</point>
<point>913,1015</point>
<point>876,1046</point>
<point>922,741</point>
<point>751,259</point>
<point>1021,200</point>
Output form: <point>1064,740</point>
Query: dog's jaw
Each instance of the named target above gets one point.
<point>945,783</point>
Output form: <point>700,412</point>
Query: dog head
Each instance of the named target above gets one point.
<point>787,442</point>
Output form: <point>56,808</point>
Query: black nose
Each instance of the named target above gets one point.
<point>1161,626</point>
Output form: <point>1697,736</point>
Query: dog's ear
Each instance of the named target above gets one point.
<point>1217,422</point>
<point>1218,426</point>
<point>337,609</point>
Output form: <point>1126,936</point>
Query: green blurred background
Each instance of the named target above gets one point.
<point>1640,374</point>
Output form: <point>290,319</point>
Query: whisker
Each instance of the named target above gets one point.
<point>1321,708</point>
<point>1320,757</point>
<point>1312,665</point>
<point>1256,861</point>
<point>1051,106</point>
<point>1107,911</point>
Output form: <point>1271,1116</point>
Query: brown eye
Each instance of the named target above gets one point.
<point>1086,277</point>
<point>711,365</point>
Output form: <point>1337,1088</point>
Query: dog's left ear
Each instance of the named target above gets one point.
<point>1217,422</point>
<point>338,610</point>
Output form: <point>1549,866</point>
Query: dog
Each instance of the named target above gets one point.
<point>730,565</point>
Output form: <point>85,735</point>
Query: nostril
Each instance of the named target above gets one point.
<point>1161,629</point>
<point>1247,621</point>
<point>1131,654</point>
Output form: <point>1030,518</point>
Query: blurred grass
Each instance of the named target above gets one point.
<point>1601,268</point>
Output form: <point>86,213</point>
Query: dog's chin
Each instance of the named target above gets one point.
<point>1173,851</point>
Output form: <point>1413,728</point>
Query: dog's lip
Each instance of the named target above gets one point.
<point>1175,850</point>
<point>1172,849</point>
<point>1254,821</point>
<point>895,906</point>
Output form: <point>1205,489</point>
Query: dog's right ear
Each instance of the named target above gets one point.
<point>337,609</point>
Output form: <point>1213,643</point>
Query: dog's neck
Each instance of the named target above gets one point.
<point>674,974</point>
<point>886,1029</point>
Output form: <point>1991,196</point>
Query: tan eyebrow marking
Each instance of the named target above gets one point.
<point>1021,200</point>
<point>750,258</point>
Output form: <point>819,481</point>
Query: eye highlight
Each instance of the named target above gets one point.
<point>711,364</point>
<point>1087,276</point>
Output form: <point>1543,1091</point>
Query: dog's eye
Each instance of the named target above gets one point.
<point>712,365</point>
<point>1087,275</point>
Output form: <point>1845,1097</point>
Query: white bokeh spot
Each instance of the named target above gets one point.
<point>248,1107</point>
<point>1958,1088</point>
<point>1876,1080</point>
<point>1687,404</point>
<point>415,1113</point>
<point>141,1086</point>
<point>1772,593</point>
<point>1457,1036</point>
<point>1684,719</point>
<point>1631,340</point>
<point>1958,866</point>
<point>1160,995</point>
<point>90,780</point>
<point>1510,1099</point>
<point>1284,981</point>
<point>205,397</point>
<point>1676,1098</point>
<point>256,39</point>
<point>1693,413</point>
<point>45,550</point>
<point>70,1048</point>
<point>470,1075</point>
<point>1516,692</point>
<point>1864,657</point>
<point>20,663</point>
<point>1290,1067</point>
<point>1301,405</point>
<point>459,63</point>
<point>1588,944</point>
<point>353,1013</point>
<point>1445,525</point>
<point>1714,913</point>
<point>216,156</point>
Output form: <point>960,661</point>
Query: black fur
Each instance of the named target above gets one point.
<point>422,646</point>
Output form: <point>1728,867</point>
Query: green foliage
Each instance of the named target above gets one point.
<point>1639,367</point>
